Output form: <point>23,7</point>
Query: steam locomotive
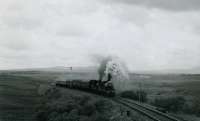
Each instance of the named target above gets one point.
<point>100,87</point>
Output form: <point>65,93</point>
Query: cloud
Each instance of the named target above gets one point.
<point>67,33</point>
<point>171,5</point>
<point>21,14</point>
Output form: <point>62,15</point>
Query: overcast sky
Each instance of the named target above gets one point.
<point>145,34</point>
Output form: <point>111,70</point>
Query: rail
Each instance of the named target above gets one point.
<point>145,110</point>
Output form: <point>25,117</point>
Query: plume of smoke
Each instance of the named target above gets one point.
<point>102,67</point>
<point>114,66</point>
<point>102,60</point>
<point>119,72</point>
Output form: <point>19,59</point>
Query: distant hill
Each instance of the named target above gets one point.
<point>59,69</point>
<point>170,71</point>
<point>93,69</point>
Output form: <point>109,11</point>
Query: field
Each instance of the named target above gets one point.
<point>167,85</point>
<point>174,88</point>
<point>19,90</point>
<point>18,97</point>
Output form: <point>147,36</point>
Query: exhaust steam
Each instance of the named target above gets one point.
<point>115,70</point>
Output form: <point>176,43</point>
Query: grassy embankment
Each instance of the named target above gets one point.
<point>60,104</point>
<point>175,93</point>
<point>18,97</point>
<point>19,101</point>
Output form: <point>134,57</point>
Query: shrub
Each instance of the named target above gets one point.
<point>73,108</point>
<point>193,107</point>
<point>99,117</point>
<point>88,109</point>
<point>142,95</point>
<point>72,116</point>
<point>196,107</point>
<point>102,105</point>
<point>139,95</point>
<point>52,93</point>
<point>173,104</point>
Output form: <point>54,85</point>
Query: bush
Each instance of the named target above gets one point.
<point>138,95</point>
<point>173,104</point>
<point>98,117</point>
<point>192,107</point>
<point>52,93</point>
<point>102,105</point>
<point>196,107</point>
<point>73,108</point>
<point>88,109</point>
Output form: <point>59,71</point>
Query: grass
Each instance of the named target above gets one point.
<point>18,97</point>
<point>20,101</point>
<point>71,105</point>
<point>170,104</point>
<point>190,87</point>
<point>138,95</point>
<point>165,91</point>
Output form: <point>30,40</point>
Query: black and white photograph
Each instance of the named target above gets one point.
<point>99,60</point>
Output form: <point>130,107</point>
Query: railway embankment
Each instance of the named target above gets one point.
<point>74,105</point>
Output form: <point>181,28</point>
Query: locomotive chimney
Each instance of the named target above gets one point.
<point>109,77</point>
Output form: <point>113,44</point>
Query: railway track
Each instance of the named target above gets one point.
<point>146,111</point>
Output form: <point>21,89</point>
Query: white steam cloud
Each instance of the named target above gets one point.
<point>119,72</point>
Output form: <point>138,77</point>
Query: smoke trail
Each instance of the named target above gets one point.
<point>102,67</point>
<point>113,66</point>
<point>102,61</point>
<point>119,72</point>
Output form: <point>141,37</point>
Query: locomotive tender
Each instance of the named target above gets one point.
<point>100,87</point>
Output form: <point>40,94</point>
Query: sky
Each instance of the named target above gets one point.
<point>145,34</point>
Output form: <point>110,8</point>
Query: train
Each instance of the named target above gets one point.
<point>99,87</point>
